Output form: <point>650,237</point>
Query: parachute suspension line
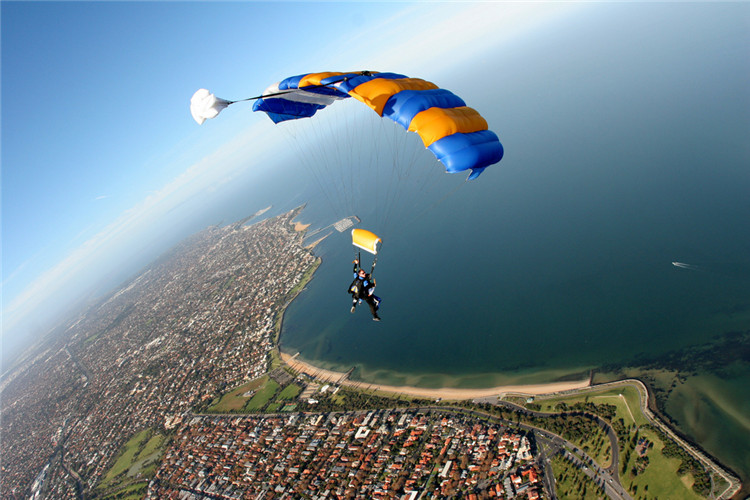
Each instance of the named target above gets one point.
<point>340,167</point>
<point>382,179</point>
<point>333,158</point>
<point>330,176</point>
<point>405,160</point>
<point>404,168</point>
<point>323,161</point>
<point>375,261</point>
<point>358,256</point>
<point>394,178</point>
<point>438,202</point>
<point>307,159</point>
<point>313,144</point>
<point>356,161</point>
<point>352,152</point>
<point>342,161</point>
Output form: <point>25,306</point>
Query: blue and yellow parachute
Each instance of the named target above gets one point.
<point>455,133</point>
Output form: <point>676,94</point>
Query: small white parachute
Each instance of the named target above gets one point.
<point>205,105</point>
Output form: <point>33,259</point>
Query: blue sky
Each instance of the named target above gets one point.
<point>97,141</point>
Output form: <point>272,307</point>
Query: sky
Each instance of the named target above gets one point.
<point>99,153</point>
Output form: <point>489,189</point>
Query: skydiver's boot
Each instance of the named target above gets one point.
<point>353,307</point>
<point>376,318</point>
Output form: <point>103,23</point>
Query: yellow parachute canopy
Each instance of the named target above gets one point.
<point>366,240</point>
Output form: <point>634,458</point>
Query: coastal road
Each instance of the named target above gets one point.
<point>546,449</point>
<point>557,444</point>
<point>733,483</point>
<point>608,477</point>
<point>613,443</point>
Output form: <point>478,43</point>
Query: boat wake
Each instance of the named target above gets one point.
<point>724,270</point>
<point>684,266</point>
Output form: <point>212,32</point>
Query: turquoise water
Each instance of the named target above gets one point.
<point>715,412</point>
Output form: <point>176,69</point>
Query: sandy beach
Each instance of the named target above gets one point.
<point>444,393</point>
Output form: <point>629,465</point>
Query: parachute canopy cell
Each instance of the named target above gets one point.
<point>456,134</point>
<point>366,240</point>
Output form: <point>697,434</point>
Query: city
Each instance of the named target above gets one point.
<point>173,387</point>
<point>195,322</point>
<point>375,454</point>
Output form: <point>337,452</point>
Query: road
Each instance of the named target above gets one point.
<point>554,443</point>
<point>733,483</point>
<point>557,444</point>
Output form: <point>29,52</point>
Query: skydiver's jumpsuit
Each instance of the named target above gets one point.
<point>363,289</point>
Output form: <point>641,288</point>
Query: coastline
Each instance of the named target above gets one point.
<point>450,393</point>
<point>734,484</point>
<point>486,394</point>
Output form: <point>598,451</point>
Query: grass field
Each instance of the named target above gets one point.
<point>273,407</point>
<point>660,478</point>
<point>572,483</point>
<point>263,393</point>
<point>136,462</point>
<point>133,492</point>
<point>263,396</point>
<point>235,399</point>
<point>290,392</point>
<point>626,398</point>
<point>598,447</point>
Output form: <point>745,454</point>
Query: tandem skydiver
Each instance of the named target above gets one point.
<point>363,288</point>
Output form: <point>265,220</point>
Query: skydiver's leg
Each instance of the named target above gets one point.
<point>373,307</point>
<point>354,303</point>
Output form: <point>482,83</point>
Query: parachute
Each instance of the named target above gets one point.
<point>456,134</point>
<point>369,242</point>
<point>204,105</point>
<point>366,240</point>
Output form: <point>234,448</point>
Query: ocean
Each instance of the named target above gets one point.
<point>625,131</point>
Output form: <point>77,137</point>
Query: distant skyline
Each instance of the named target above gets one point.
<point>98,146</point>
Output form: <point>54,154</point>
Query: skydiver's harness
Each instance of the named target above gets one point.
<point>359,286</point>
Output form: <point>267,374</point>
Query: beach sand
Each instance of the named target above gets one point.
<point>449,393</point>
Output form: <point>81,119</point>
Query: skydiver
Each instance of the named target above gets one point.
<point>363,288</point>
